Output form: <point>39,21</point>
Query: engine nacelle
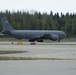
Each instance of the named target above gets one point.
<point>54,37</point>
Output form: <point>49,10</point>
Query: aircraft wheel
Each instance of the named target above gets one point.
<point>59,40</point>
<point>31,41</point>
<point>39,40</point>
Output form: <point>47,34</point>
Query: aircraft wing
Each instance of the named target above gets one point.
<point>1,34</point>
<point>45,36</point>
<point>34,38</point>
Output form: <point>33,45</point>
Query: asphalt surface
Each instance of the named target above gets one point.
<point>38,67</point>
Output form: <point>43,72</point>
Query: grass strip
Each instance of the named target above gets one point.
<point>11,52</point>
<point>30,58</point>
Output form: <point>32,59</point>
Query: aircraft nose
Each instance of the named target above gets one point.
<point>66,35</point>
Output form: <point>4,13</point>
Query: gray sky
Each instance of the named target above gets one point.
<point>59,6</point>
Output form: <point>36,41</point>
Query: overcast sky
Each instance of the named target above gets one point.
<point>59,6</point>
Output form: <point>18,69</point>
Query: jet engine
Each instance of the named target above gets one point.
<point>54,37</point>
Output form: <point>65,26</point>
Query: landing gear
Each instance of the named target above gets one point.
<point>31,40</point>
<point>39,40</point>
<point>59,40</point>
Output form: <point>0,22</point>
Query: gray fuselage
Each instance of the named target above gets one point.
<point>27,34</point>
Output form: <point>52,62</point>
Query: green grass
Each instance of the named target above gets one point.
<point>30,58</point>
<point>11,52</point>
<point>26,58</point>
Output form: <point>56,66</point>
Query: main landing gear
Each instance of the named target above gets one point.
<point>39,40</point>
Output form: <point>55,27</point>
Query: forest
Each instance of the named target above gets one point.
<point>25,20</point>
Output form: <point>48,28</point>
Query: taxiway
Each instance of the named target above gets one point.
<point>41,50</point>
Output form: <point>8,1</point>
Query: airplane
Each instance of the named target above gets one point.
<point>32,35</point>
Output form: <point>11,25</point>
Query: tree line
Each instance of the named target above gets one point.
<point>25,20</point>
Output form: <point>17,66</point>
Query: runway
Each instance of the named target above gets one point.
<point>38,67</point>
<point>58,66</point>
<point>41,50</point>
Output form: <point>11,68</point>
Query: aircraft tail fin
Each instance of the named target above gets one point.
<point>6,25</point>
